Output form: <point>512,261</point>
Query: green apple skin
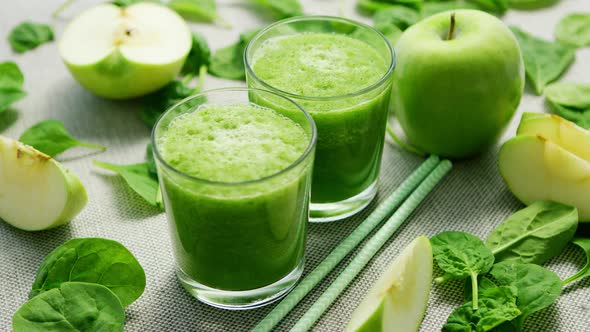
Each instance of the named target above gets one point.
<point>454,97</point>
<point>116,77</point>
<point>398,299</point>
<point>18,160</point>
<point>536,169</point>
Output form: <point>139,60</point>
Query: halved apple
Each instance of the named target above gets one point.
<point>398,299</point>
<point>36,192</point>
<point>123,52</point>
<point>549,160</point>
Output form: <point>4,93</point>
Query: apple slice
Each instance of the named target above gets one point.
<point>123,52</point>
<point>536,168</point>
<point>36,192</point>
<point>558,130</point>
<point>398,299</point>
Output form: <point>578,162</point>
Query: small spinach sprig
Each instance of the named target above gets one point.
<point>461,256</point>
<point>531,235</point>
<point>52,138</point>
<point>28,35</point>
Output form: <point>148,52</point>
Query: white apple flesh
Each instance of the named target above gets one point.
<point>124,52</point>
<point>36,192</point>
<point>398,299</point>
<point>548,160</point>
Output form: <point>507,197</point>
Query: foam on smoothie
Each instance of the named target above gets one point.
<point>232,143</point>
<point>318,64</point>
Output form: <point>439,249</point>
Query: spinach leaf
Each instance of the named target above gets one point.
<point>11,82</point>
<point>395,17</point>
<point>460,256</point>
<point>228,62</point>
<point>494,6</point>
<point>536,287</point>
<point>28,35</point>
<point>574,29</point>
<point>496,306</point>
<point>197,10</point>
<point>581,117</point>
<point>569,94</point>
<point>431,8</point>
<point>149,156</point>
<point>199,55</point>
<point>483,284</point>
<point>280,8</point>
<point>530,4</point>
<point>151,162</point>
<point>585,271</point>
<point>125,3</point>
<point>138,178</point>
<point>93,260</point>
<point>371,6</point>
<point>52,138</point>
<point>156,103</point>
<point>544,61</point>
<point>535,233</point>
<point>73,306</point>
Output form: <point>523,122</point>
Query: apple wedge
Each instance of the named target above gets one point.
<point>36,192</point>
<point>124,52</point>
<point>398,299</point>
<point>558,130</point>
<point>536,167</point>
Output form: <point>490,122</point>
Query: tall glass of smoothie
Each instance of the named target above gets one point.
<point>236,180</point>
<point>340,71</point>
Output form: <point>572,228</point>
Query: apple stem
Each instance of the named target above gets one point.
<point>451,27</point>
<point>62,7</point>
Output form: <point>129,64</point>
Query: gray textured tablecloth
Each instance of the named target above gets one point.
<point>472,198</point>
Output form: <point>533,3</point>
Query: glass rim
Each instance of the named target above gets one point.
<point>298,161</point>
<point>369,88</point>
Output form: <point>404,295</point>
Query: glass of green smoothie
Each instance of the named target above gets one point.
<point>340,71</point>
<point>236,179</point>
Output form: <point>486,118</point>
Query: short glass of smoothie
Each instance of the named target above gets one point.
<point>340,71</point>
<point>236,179</point>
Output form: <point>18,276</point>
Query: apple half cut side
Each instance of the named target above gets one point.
<point>124,52</point>
<point>36,192</point>
<point>398,299</point>
<point>538,169</point>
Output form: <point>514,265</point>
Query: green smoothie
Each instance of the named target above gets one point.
<point>230,231</point>
<point>351,129</point>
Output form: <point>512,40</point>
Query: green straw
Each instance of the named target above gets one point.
<point>371,248</point>
<point>346,246</point>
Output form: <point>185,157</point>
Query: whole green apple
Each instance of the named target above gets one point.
<point>124,52</point>
<point>458,81</point>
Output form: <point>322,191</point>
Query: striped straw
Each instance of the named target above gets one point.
<point>371,248</point>
<point>346,246</point>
